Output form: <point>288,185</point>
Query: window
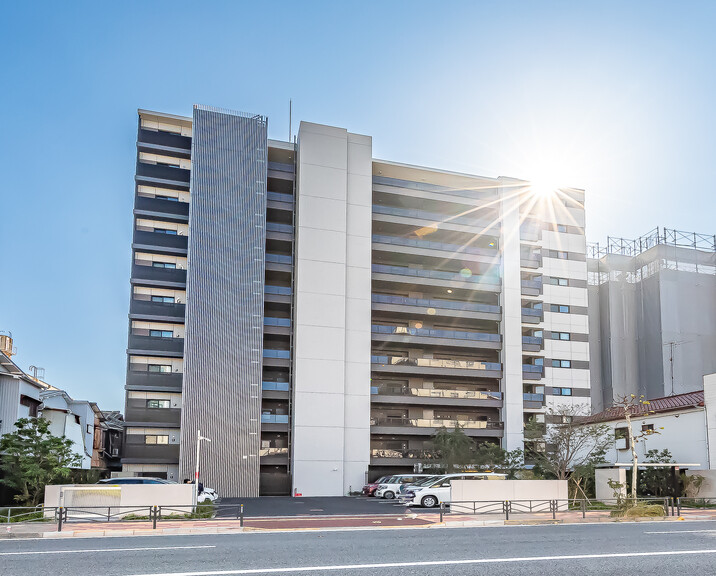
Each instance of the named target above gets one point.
<point>158,404</point>
<point>558,281</point>
<point>560,335</point>
<point>90,428</point>
<point>163,265</point>
<point>561,391</point>
<point>538,334</point>
<point>165,231</point>
<point>561,228</point>
<point>648,428</point>
<point>170,198</point>
<point>161,333</point>
<point>561,363</point>
<point>162,368</point>
<point>562,255</point>
<point>566,419</point>
<point>156,439</point>
<point>165,299</point>
<point>560,308</point>
<point>538,362</point>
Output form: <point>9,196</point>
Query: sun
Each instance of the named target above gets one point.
<point>544,188</point>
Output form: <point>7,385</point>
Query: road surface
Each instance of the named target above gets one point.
<point>584,549</point>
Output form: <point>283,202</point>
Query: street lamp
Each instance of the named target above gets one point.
<point>199,438</point>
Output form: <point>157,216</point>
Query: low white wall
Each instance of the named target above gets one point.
<point>708,488</point>
<point>602,476</point>
<point>501,490</point>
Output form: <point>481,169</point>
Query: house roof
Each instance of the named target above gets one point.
<point>655,406</point>
<point>14,370</point>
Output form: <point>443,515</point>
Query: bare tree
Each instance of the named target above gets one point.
<point>567,442</point>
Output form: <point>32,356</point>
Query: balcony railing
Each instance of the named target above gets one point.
<point>172,310</point>
<point>436,303</point>
<point>413,454</point>
<point>437,274</point>
<point>435,423</point>
<point>435,393</point>
<point>534,284</point>
<point>282,290</point>
<point>159,240</point>
<point>435,363</point>
<point>274,418</point>
<point>435,333</point>
<point>273,451</point>
<point>433,216</point>
<point>532,312</point>
<point>279,258</point>
<point>533,368</point>
<point>162,206</point>
<point>270,353</point>
<point>530,397</point>
<point>532,340</point>
<point>279,197</point>
<point>275,386</point>
<point>444,246</point>
<point>276,321</point>
<point>277,227</point>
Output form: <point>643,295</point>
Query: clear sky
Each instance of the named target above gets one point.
<point>617,98</point>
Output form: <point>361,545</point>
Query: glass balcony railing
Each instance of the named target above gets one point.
<point>283,290</point>
<point>268,353</point>
<point>415,453</point>
<point>533,368</point>
<point>279,197</point>
<point>530,397</point>
<point>434,333</point>
<point>435,423</point>
<point>275,386</point>
<point>532,340</point>
<point>277,227</point>
<point>273,451</point>
<point>277,321</point>
<point>435,363</point>
<point>434,216</point>
<point>490,279</point>
<point>417,243</point>
<point>274,418</point>
<point>435,393</point>
<point>279,258</point>
<point>436,303</point>
<point>532,312</point>
<point>534,284</point>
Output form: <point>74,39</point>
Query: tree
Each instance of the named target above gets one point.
<point>453,448</point>
<point>566,444</point>
<point>656,481</point>
<point>31,457</point>
<point>629,406</point>
<point>491,457</point>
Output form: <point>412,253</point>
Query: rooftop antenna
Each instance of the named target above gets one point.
<point>290,117</point>
<point>671,346</point>
<point>37,372</point>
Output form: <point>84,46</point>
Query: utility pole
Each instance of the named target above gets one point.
<point>199,438</point>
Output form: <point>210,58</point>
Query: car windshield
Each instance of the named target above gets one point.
<point>381,479</point>
<point>425,481</point>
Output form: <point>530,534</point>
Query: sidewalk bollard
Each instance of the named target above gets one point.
<point>61,512</point>
<point>241,518</point>
<point>506,506</point>
<point>553,505</point>
<point>442,509</point>
<point>154,518</point>
<point>678,506</point>
<point>672,505</point>
<point>583,505</point>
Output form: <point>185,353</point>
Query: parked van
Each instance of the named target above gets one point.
<point>391,485</point>
<point>432,494</point>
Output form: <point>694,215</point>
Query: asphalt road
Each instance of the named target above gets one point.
<point>603,549</point>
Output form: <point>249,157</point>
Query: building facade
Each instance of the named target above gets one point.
<point>320,314</point>
<point>653,315</point>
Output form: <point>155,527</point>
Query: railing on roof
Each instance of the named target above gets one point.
<point>666,236</point>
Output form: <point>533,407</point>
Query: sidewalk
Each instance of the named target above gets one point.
<point>271,524</point>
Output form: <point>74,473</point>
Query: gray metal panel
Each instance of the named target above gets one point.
<point>225,292</point>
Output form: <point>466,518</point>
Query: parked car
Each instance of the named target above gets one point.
<point>370,488</point>
<point>419,482</point>
<point>390,487</point>
<point>438,490</point>
<point>206,493</point>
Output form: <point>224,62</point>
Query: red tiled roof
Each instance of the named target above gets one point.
<point>657,405</point>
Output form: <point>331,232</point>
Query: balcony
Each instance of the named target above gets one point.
<point>532,401</point>
<point>279,231</point>
<point>277,294</point>
<point>453,338</point>
<point>156,346</point>
<point>532,316</point>
<point>273,357</point>
<point>428,426</point>
<point>461,223</point>
<point>531,287</point>
<point>435,397</point>
<point>279,262</point>
<point>532,343</point>
<point>279,200</point>
<point>137,414</point>
<point>276,456</point>
<point>407,275</point>
<point>158,311</point>
<point>150,453</point>
<point>154,381</point>
<point>274,422</point>
<point>274,390</point>
<point>159,242</point>
<point>532,372</point>
<point>531,261</point>
<point>435,366</point>
<point>281,170</point>
<point>157,141</point>
<point>281,326</point>
<point>457,250</point>
<point>451,308</point>
<point>163,175</point>
<point>389,456</point>
<point>161,209</point>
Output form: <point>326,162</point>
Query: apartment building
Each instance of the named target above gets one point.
<point>319,314</point>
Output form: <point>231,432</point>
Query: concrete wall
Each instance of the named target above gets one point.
<point>602,477</point>
<point>708,488</point>
<point>501,490</point>
<point>331,433</point>
<point>710,416</point>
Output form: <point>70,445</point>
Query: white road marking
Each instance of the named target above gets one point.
<point>681,532</point>
<point>102,550</point>
<point>427,563</point>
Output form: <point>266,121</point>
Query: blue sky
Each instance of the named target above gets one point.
<point>616,98</point>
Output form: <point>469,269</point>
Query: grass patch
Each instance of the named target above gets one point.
<point>22,515</point>
<point>640,511</point>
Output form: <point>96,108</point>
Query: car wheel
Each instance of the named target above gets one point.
<point>429,502</point>
<point>389,495</point>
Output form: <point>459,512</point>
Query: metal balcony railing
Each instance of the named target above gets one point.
<point>435,363</point>
<point>282,290</point>
<point>435,333</point>
<point>444,246</point>
<point>491,280</point>
<point>275,386</point>
<point>435,393</point>
<point>274,418</point>
<point>435,423</point>
<point>436,303</point>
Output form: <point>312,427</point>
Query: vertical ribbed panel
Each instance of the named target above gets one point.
<point>224,310</point>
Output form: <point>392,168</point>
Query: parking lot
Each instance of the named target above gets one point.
<point>314,506</point>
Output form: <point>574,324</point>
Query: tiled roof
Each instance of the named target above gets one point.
<point>657,405</point>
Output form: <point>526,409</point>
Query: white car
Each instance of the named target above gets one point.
<point>207,494</point>
<point>390,487</point>
<point>438,491</point>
